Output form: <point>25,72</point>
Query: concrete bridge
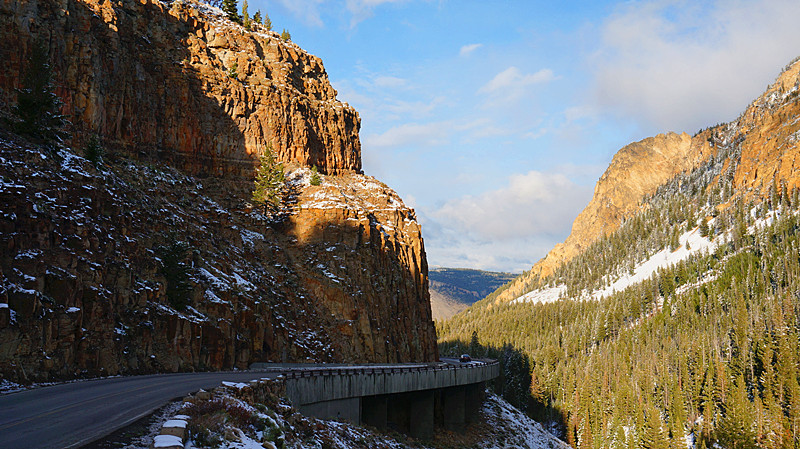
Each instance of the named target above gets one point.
<point>409,398</point>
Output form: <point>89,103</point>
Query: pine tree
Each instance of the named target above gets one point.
<point>245,15</point>
<point>269,184</point>
<point>37,106</point>
<point>93,151</point>
<point>285,35</point>
<point>267,22</point>
<point>315,179</point>
<point>177,273</point>
<point>231,9</point>
<point>257,17</point>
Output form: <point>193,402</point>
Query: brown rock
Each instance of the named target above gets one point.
<point>342,278</point>
<point>113,61</point>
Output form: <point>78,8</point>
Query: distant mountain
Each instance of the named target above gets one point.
<point>455,289</point>
<point>670,317</point>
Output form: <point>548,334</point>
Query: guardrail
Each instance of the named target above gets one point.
<point>297,373</point>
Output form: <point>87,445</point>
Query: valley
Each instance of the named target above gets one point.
<point>184,195</point>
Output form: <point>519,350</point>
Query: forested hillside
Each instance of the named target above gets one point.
<point>681,327</point>
<point>455,289</point>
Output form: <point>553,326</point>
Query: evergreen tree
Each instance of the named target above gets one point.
<point>231,9</point>
<point>285,35</point>
<point>177,271</point>
<point>93,151</point>
<point>269,184</point>
<point>245,15</point>
<point>257,17</point>
<point>315,179</point>
<point>37,106</point>
<point>267,22</point>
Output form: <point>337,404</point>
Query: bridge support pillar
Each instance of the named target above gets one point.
<point>374,410</point>
<point>453,408</point>
<point>474,395</point>
<point>421,414</point>
<point>342,409</point>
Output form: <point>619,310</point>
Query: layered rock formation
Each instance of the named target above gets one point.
<point>761,147</point>
<point>84,269</point>
<point>176,80</point>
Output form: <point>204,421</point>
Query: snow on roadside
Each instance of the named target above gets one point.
<point>512,428</point>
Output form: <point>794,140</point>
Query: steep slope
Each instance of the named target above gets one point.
<point>636,171</point>
<point>679,328</point>
<point>455,289</point>
<point>765,134</point>
<point>154,260</point>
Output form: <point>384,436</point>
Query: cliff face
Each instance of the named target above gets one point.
<point>84,278</point>
<point>636,171</point>
<point>768,134</point>
<point>761,150</point>
<point>173,81</point>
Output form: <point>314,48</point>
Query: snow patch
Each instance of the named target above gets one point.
<point>544,295</point>
<point>660,260</point>
<point>515,429</point>
<point>167,441</point>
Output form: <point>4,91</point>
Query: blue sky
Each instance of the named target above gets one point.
<point>494,119</point>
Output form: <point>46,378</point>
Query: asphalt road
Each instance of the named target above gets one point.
<point>74,414</point>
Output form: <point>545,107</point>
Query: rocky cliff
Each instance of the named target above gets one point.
<point>761,151</point>
<point>180,81</point>
<point>183,102</point>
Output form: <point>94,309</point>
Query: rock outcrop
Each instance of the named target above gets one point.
<point>762,148</point>
<point>636,171</point>
<point>177,80</point>
<point>84,268</point>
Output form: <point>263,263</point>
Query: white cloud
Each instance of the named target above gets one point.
<point>531,204</point>
<point>505,229</point>
<point>682,65</point>
<point>512,78</point>
<point>389,82</point>
<point>468,49</point>
<point>307,10</point>
<point>362,9</point>
<point>416,134</point>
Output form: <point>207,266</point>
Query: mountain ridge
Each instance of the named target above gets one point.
<point>638,169</point>
<point>679,328</point>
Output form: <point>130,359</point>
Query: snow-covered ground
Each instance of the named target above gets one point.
<point>665,258</point>
<point>504,427</point>
<point>512,428</point>
<point>691,243</point>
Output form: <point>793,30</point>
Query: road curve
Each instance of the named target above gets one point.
<point>74,414</point>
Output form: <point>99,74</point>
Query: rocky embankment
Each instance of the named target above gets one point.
<point>183,102</point>
<point>763,152</point>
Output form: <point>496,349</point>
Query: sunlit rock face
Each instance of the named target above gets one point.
<point>763,146</point>
<point>183,102</point>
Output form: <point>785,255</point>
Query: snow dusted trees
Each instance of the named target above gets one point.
<point>269,184</point>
